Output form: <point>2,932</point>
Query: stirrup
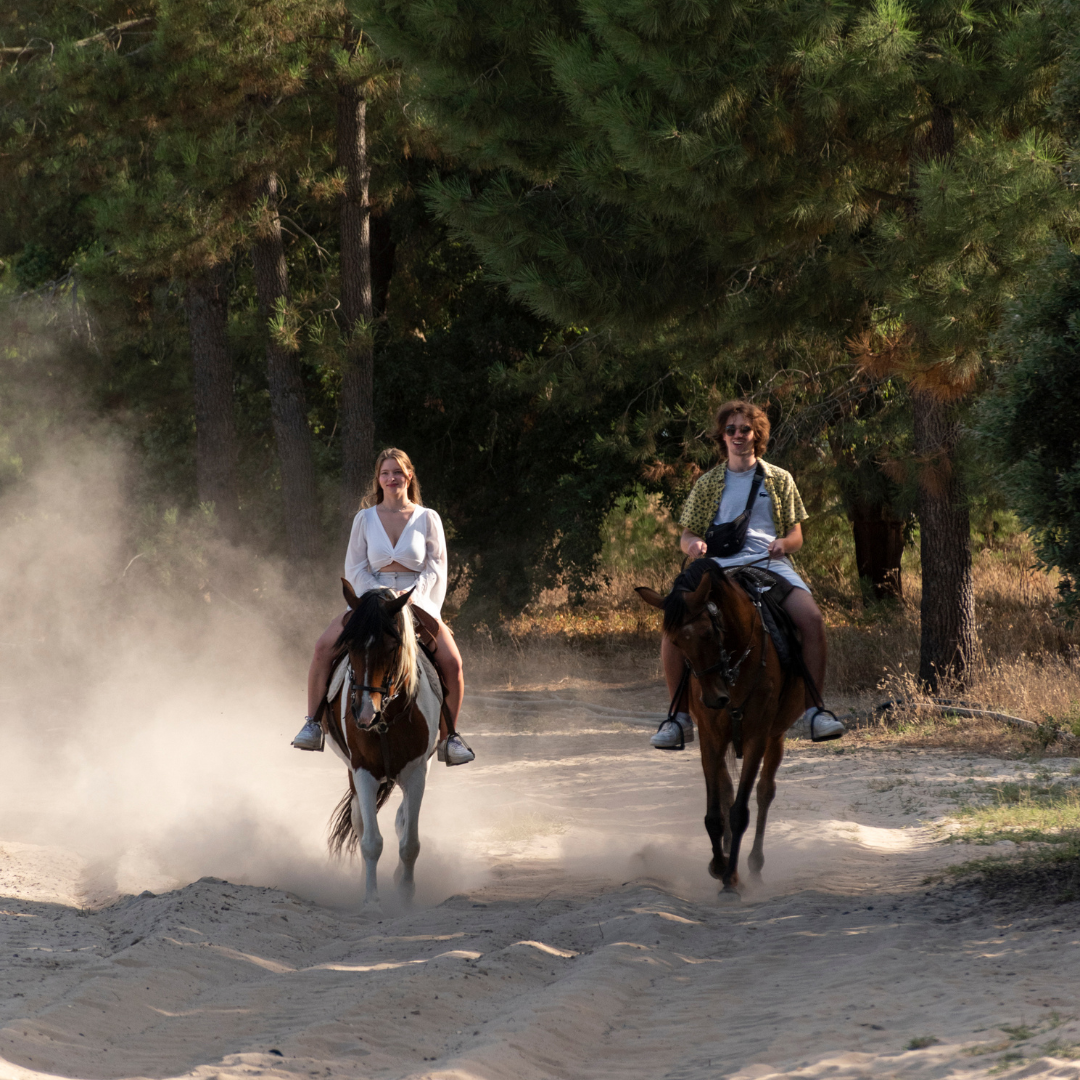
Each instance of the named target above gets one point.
<point>820,712</point>
<point>443,750</point>
<point>682,740</point>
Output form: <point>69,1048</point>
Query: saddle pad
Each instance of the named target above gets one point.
<point>428,672</point>
<point>337,680</point>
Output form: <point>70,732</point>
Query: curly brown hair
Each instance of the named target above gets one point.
<point>758,421</point>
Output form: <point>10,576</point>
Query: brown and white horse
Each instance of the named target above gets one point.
<point>740,698</point>
<point>384,723</point>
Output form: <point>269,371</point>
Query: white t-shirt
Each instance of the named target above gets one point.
<point>761,529</point>
<point>421,547</point>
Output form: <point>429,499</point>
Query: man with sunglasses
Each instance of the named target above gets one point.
<point>773,533</point>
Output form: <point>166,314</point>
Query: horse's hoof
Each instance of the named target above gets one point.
<point>716,870</point>
<point>729,894</point>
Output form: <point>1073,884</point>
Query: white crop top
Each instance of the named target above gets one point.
<point>421,547</point>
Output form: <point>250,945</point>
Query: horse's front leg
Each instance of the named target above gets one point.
<point>371,842</point>
<point>412,781</point>
<point>717,788</point>
<point>766,791</point>
<point>740,810</point>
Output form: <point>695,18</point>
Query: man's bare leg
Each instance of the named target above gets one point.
<point>673,663</point>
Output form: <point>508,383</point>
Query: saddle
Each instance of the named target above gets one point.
<point>772,590</point>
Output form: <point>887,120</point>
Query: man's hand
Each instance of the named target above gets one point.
<point>697,549</point>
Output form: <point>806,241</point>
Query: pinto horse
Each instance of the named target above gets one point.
<point>741,699</point>
<point>385,725</point>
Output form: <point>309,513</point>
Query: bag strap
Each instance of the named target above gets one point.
<point>755,487</point>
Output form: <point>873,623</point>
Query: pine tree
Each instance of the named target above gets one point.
<point>883,167</point>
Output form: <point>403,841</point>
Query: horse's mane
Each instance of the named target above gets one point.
<point>369,622</point>
<point>676,609</point>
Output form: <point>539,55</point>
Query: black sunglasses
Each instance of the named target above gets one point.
<point>744,430</point>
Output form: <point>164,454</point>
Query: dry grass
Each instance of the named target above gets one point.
<point>1028,665</point>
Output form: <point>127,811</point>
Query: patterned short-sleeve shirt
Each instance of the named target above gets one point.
<point>701,506</point>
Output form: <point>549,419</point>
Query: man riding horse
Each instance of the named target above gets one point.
<point>745,497</point>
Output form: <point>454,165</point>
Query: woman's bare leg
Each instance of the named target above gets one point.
<point>449,660</point>
<point>806,615</point>
<point>318,675</point>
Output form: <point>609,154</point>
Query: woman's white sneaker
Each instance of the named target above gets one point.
<point>822,725</point>
<point>667,738</point>
<point>455,751</point>
<point>310,736</point>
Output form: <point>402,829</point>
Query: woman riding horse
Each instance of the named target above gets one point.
<point>774,532</point>
<point>396,543</point>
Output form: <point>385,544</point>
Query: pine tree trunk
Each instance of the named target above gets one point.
<point>947,612</point>
<point>356,408</point>
<point>879,548</point>
<point>287,406</point>
<point>207,301</point>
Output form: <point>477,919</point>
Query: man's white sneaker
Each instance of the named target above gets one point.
<point>822,725</point>
<point>668,737</point>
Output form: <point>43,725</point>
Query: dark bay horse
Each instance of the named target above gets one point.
<point>384,723</point>
<point>740,698</point>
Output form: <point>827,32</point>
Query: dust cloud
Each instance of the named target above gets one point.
<point>146,720</point>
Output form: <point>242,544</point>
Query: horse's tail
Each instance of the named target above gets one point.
<point>383,793</point>
<point>343,839</point>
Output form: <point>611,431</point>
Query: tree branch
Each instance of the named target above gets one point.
<point>111,35</point>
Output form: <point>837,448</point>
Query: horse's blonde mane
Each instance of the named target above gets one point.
<point>407,666</point>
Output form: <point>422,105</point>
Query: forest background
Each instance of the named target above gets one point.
<point>536,244</point>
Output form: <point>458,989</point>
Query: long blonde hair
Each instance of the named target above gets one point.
<point>412,492</point>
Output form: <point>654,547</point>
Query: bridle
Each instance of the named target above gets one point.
<point>386,692</point>
<point>729,671</point>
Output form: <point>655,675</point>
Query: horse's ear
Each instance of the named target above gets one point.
<point>697,599</point>
<point>650,596</point>
<point>350,596</point>
<point>394,606</point>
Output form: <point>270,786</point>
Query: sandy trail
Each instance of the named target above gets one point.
<point>565,927</point>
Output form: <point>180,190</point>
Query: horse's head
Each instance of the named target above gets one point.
<point>381,643</point>
<point>694,623</point>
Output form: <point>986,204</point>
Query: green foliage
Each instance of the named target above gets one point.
<point>1029,421</point>
<point>639,537</point>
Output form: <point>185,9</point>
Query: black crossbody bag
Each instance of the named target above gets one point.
<point>727,539</point>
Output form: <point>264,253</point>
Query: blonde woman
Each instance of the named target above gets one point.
<point>396,543</point>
